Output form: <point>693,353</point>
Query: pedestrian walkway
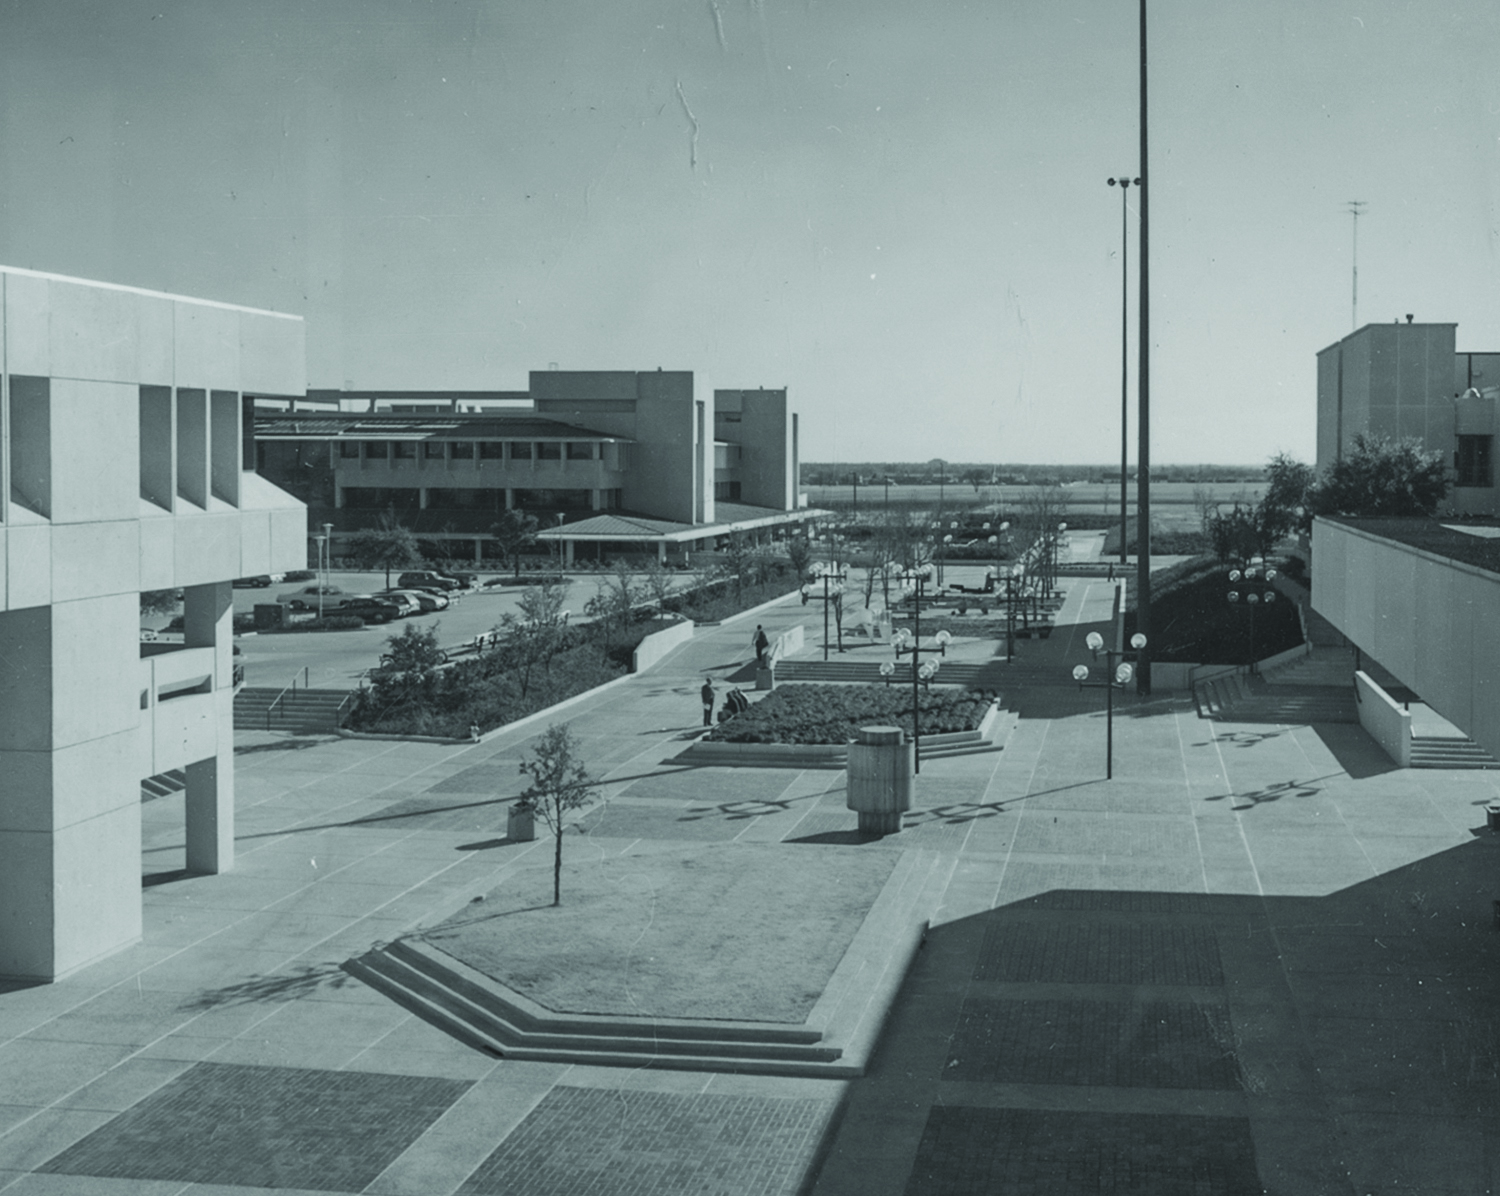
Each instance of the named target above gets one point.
<point>1260,957</point>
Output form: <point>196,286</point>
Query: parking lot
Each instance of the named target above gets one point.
<point>339,659</point>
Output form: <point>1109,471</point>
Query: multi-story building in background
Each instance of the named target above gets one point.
<point>125,466</point>
<point>608,460</point>
<point>1408,380</point>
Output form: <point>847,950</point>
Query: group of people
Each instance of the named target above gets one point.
<point>735,702</point>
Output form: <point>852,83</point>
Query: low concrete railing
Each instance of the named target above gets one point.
<point>658,644</point>
<point>1386,720</point>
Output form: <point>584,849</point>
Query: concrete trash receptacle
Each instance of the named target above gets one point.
<point>765,676</point>
<point>880,773</point>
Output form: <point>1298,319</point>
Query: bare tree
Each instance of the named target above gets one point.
<point>559,785</point>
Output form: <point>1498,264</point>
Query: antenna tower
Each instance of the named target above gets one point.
<point>1356,209</point>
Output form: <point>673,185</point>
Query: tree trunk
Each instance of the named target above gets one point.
<point>557,834</point>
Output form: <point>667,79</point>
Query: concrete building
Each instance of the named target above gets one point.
<point>1408,380</point>
<point>125,455</point>
<point>606,459</point>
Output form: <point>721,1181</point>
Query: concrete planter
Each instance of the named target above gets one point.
<point>520,824</point>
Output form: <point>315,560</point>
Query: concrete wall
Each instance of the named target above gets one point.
<point>669,460</point>
<point>99,515</point>
<point>1392,380</point>
<point>655,646</point>
<point>1424,618</point>
<point>1385,719</point>
<point>759,422</point>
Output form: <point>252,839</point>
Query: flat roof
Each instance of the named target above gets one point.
<point>424,425</point>
<point>114,286</point>
<point>729,517</point>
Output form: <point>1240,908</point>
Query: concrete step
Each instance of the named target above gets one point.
<point>835,1042</point>
<point>1429,751</point>
<point>303,709</point>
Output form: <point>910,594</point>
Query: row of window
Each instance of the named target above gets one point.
<point>464,450</point>
<point>459,499</point>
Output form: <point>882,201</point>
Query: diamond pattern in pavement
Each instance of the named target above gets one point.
<point>593,1142</point>
<point>265,1127</point>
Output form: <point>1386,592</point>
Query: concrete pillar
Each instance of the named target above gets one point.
<point>661,552</point>
<point>421,498</point>
<point>70,818</point>
<point>208,622</point>
<point>568,552</point>
<point>478,550</point>
<point>510,498</point>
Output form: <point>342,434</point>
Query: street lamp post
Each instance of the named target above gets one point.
<point>916,578</point>
<point>1116,676</point>
<point>833,589</point>
<point>1124,184</point>
<point>1257,583</point>
<point>320,541</point>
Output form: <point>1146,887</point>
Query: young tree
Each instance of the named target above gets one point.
<point>414,653</point>
<point>1235,534</point>
<point>1379,477</point>
<point>559,784</point>
<point>616,599</point>
<point>534,632</point>
<point>386,546</point>
<point>659,583</point>
<point>514,531</point>
<point>1283,508</point>
<point>159,602</point>
<point>799,553</point>
<point>737,555</point>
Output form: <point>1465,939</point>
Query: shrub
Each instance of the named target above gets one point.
<point>328,623</point>
<point>835,713</point>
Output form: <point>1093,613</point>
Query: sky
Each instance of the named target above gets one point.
<point>897,211</point>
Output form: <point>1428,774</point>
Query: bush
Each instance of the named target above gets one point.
<point>835,713</point>
<point>328,623</point>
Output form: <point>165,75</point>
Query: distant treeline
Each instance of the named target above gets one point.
<point>958,473</point>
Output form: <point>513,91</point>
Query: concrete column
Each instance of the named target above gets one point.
<point>421,498</point>
<point>70,818</point>
<point>568,552</point>
<point>208,622</point>
<point>478,550</point>
<point>510,498</point>
<point>661,552</point>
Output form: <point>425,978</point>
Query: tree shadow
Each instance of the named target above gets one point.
<point>850,838</point>
<point>1271,793</point>
<point>286,745</point>
<point>1243,739</point>
<point>299,982</point>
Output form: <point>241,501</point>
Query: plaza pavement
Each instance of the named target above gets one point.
<point>1260,957</point>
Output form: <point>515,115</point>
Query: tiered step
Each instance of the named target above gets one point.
<point>835,1041</point>
<point>1434,751</point>
<point>1240,699</point>
<point>299,710</point>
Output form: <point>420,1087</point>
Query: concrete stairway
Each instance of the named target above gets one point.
<point>1435,751</point>
<point>1241,699</point>
<point>835,1042</point>
<point>298,710</point>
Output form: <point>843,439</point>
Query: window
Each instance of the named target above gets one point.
<point>406,450</point>
<point>433,450</point>
<point>463,450</point>
<point>349,450</point>
<point>727,491</point>
<point>580,450</point>
<point>491,450</point>
<point>376,450</point>
<point>520,450</point>
<point>1472,461</point>
<point>548,450</point>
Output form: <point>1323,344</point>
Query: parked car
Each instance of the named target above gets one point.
<point>404,601</point>
<point>425,579</point>
<point>307,597</point>
<point>369,608</point>
<point>253,583</point>
<point>426,600</point>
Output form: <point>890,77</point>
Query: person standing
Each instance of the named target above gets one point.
<point>708,702</point>
<point>762,645</point>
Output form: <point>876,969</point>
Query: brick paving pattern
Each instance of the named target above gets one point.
<point>1018,1152</point>
<point>1068,953</point>
<point>265,1127</point>
<point>1150,1044</point>
<point>593,1142</point>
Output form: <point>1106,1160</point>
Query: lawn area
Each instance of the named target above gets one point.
<point>740,932</point>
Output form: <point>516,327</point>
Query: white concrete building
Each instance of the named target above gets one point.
<point>124,467</point>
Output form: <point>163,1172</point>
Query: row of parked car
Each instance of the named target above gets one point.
<point>415,593</point>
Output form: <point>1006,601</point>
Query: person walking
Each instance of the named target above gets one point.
<point>762,645</point>
<point>708,702</point>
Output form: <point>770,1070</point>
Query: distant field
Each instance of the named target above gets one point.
<point>1172,503</point>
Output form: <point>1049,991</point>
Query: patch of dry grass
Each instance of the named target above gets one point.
<point>744,932</point>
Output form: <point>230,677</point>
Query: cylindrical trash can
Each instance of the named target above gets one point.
<point>880,772</point>
<point>1492,817</point>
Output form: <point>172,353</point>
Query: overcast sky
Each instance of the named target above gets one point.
<point>896,210</point>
